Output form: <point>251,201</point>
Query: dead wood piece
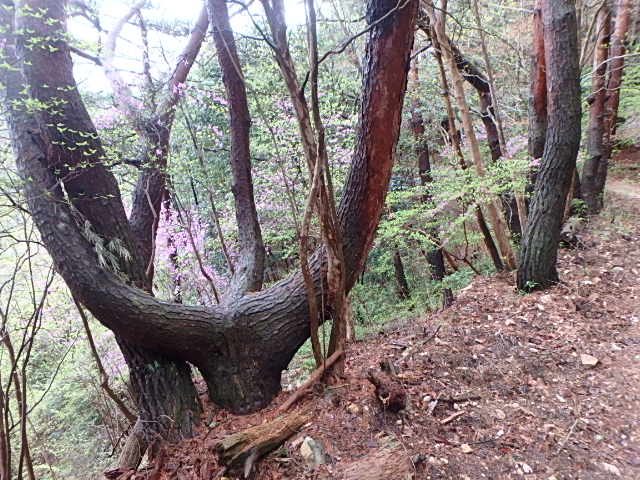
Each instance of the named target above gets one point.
<point>452,417</point>
<point>239,451</point>
<point>313,378</point>
<point>390,393</point>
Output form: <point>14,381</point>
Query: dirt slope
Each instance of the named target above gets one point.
<point>516,370</point>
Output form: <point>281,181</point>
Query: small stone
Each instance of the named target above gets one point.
<point>611,469</point>
<point>466,448</point>
<point>312,452</point>
<point>588,360</point>
<point>500,414</point>
<point>353,409</point>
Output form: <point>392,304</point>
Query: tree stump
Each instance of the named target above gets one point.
<point>388,391</point>
<point>239,452</point>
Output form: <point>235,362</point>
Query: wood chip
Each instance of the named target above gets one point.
<point>452,417</point>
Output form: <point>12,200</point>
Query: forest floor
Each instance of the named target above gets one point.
<point>500,385</point>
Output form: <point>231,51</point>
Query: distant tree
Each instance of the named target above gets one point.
<point>608,67</point>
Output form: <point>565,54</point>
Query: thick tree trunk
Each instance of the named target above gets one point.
<point>78,150</point>
<point>240,347</point>
<point>540,246</point>
<point>249,270</point>
<point>596,149</point>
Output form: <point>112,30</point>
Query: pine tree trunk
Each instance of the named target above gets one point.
<point>240,347</point>
<point>540,245</point>
<point>596,149</point>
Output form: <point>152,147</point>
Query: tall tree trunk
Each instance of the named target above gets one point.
<point>454,138</point>
<point>540,246</point>
<point>77,158</point>
<point>616,70</point>
<point>538,95</point>
<point>596,149</point>
<point>240,347</point>
<point>249,270</point>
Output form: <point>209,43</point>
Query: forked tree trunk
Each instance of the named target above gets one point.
<point>540,245</point>
<point>596,149</point>
<point>76,155</point>
<point>240,347</point>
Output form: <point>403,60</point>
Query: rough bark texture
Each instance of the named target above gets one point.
<point>540,246</point>
<point>612,101</point>
<point>63,129</point>
<point>596,149</point>
<point>249,270</point>
<point>240,347</point>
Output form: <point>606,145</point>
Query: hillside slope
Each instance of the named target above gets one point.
<point>500,385</point>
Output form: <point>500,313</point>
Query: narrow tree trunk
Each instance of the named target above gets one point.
<point>540,245</point>
<point>249,270</point>
<point>616,70</point>
<point>493,206</point>
<point>402,285</point>
<point>434,255</point>
<point>455,141</point>
<point>538,97</point>
<point>596,149</point>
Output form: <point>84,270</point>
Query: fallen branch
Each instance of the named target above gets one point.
<point>240,451</point>
<point>315,376</point>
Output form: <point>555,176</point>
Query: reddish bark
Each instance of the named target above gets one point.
<point>596,148</point>
<point>538,99</point>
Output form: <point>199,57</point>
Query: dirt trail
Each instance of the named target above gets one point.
<point>624,188</point>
